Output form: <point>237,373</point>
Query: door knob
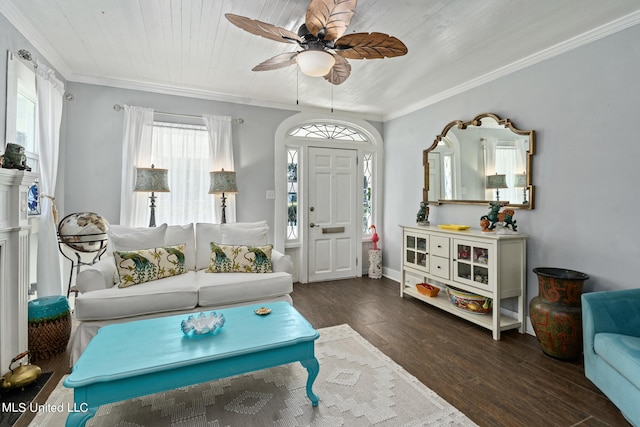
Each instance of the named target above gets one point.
<point>312,225</point>
<point>312,209</point>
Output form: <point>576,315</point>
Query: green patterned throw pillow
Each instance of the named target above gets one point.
<point>240,259</point>
<point>145,265</point>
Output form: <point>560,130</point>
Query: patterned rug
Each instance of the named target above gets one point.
<point>358,386</point>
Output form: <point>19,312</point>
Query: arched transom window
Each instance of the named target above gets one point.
<point>329,131</point>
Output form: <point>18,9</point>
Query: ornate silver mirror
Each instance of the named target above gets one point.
<point>486,159</point>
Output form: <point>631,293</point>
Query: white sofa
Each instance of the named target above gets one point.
<point>101,301</point>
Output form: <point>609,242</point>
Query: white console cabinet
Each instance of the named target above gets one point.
<point>488,264</point>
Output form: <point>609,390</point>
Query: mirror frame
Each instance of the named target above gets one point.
<point>477,121</point>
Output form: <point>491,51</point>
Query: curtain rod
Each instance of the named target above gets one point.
<point>119,107</point>
<point>25,55</point>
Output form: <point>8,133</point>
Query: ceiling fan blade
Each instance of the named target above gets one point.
<point>329,19</point>
<point>259,28</point>
<point>369,46</point>
<point>278,61</point>
<point>339,72</point>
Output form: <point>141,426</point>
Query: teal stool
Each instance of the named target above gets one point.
<point>49,326</point>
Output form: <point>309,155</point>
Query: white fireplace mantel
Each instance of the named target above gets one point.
<point>14,263</point>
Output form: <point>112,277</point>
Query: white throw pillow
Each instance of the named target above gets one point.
<point>177,234</point>
<point>258,236</point>
<point>133,239</point>
<point>257,224</point>
<point>205,234</point>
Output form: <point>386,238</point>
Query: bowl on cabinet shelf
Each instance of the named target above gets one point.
<point>468,301</point>
<point>427,289</point>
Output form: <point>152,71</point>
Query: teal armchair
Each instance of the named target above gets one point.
<point>611,331</point>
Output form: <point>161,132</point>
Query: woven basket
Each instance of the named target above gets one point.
<point>48,338</point>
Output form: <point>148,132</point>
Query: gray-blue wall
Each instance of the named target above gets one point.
<point>94,147</point>
<point>584,106</point>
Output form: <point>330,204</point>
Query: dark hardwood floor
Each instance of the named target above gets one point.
<point>510,382</point>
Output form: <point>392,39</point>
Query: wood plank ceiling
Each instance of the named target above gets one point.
<point>188,47</point>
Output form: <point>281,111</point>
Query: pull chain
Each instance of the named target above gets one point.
<point>332,97</point>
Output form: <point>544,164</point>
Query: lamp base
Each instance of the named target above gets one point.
<point>224,209</point>
<point>152,218</point>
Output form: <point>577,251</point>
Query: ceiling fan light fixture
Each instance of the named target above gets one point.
<point>315,63</point>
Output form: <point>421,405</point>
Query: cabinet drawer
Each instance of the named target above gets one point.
<point>440,266</point>
<point>439,246</point>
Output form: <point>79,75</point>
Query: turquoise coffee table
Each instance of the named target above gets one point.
<point>143,357</point>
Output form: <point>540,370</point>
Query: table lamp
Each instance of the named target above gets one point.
<point>496,181</point>
<point>153,180</point>
<point>221,182</point>
<point>521,182</point>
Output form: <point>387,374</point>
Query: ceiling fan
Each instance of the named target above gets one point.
<point>324,47</point>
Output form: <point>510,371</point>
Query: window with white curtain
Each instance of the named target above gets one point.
<point>506,164</point>
<point>21,107</point>
<point>184,151</point>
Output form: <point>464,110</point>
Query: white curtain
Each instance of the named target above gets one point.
<point>49,92</point>
<point>522,146</point>
<point>221,146</point>
<point>184,150</point>
<point>136,152</point>
<point>506,159</point>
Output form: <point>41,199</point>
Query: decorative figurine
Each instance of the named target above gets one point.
<point>14,157</point>
<point>488,222</point>
<point>423,214</point>
<point>374,238</point>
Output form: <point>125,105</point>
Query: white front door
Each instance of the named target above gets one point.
<point>332,214</point>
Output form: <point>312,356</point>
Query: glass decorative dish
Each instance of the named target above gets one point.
<point>203,324</point>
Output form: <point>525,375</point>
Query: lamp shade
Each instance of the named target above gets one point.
<point>222,182</point>
<point>315,63</point>
<point>520,180</point>
<point>152,179</point>
<point>496,181</point>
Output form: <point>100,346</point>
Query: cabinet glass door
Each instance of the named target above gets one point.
<point>416,251</point>
<point>471,264</point>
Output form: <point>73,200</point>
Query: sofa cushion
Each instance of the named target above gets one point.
<point>233,234</point>
<point>256,224</point>
<point>622,352</point>
<point>125,238</point>
<point>205,234</point>
<point>169,294</point>
<point>101,275</point>
<point>240,259</point>
<point>145,265</point>
<point>228,288</point>
<point>177,234</point>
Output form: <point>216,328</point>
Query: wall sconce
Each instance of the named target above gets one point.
<point>221,182</point>
<point>153,180</point>
<point>496,181</point>
<point>521,182</point>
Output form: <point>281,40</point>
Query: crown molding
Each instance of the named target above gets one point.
<point>558,49</point>
<point>35,38</point>
<point>208,95</point>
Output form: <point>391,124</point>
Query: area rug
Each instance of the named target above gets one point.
<point>358,386</point>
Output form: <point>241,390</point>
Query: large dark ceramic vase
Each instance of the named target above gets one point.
<point>556,313</point>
